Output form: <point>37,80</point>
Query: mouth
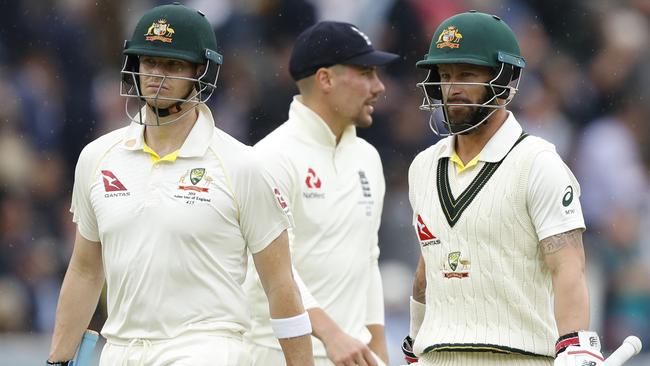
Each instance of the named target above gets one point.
<point>371,105</point>
<point>155,86</point>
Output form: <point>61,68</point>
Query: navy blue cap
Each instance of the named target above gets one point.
<point>330,43</point>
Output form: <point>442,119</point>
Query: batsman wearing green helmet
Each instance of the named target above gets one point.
<point>497,214</point>
<point>167,210</point>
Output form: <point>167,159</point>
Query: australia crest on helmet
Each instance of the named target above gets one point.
<point>449,37</point>
<point>160,30</point>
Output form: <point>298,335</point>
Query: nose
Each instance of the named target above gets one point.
<point>453,88</point>
<point>379,87</point>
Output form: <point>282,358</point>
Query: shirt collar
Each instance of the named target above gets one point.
<point>498,145</point>
<point>314,127</point>
<point>196,143</point>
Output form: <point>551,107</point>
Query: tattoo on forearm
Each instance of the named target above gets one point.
<point>554,243</point>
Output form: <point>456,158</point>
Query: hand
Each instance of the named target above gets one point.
<point>407,349</point>
<point>345,350</point>
<point>579,349</point>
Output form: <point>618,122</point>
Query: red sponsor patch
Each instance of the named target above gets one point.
<point>111,183</point>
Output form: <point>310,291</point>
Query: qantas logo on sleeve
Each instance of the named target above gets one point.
<point>112,184</point>
<point>424,234</point>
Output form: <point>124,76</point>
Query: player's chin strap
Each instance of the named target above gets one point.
<point>174,108</point>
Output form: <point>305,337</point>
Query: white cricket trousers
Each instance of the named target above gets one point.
<point>267,356</point>
<point>480,359</point>
<point>195,349</point>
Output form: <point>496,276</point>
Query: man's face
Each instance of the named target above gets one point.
<point>459,92</point>
<point>356,90</point>
<point>165,83</point>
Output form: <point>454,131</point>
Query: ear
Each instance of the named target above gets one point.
<point>324,79</point>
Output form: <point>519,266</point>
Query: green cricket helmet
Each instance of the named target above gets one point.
<point>477,39</point>
<point>177,32</point>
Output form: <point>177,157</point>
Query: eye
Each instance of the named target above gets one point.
<point>174,65</point>
<point>444,76</point>
<point>148,62</point>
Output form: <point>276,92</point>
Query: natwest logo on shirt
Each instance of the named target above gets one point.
<point>314,184</point>
<point>112,184</point>
<point>312,179</point>
<point>424,234</point>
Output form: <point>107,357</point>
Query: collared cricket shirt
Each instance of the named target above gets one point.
<point>175,231</point>
<point>335,195</point>
<point>479,228</point>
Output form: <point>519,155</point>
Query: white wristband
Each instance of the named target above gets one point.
<point>417,317</point>
<point>295,326</point>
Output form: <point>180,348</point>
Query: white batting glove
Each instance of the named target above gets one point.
<point>579,349</point>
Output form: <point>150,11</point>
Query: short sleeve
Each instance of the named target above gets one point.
<point>81,207</point>
<point>553,196</point>
<point>263,208</point>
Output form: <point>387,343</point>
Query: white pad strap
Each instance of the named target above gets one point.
<point>295,326</point>
<point>417,316</point>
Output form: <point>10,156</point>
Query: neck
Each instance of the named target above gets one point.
<point>167,138</point>
<point>329,116</point>
<point>469,146</point>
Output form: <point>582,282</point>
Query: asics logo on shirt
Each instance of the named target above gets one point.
<point>312,179</point>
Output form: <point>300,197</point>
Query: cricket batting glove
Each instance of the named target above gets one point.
<point>578,349</point>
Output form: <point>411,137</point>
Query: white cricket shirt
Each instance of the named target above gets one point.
<point>335,194</point>
<point>488,288</point>
<point>175,235</point>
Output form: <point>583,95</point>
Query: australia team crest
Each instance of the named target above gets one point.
<point>449,37</point>
<point>160,31</point>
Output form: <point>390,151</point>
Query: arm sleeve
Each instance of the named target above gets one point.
<point>81,207</point>
<point>263,209</point>
<point>553,196</point>
<point>375,302</point>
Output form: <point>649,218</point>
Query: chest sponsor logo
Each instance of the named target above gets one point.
<point>193,186</point>
<point>312,180</point>
<point>424,234</point>
<point>112,186</point>
<point>313,183</point>
<point>456,266</point>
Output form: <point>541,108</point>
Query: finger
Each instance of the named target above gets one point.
<point>369,357</point>
<point>361,360</point>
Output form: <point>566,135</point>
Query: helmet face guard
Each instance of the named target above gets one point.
<point>203,88</point>
<point>477,39</point>
<point>503,86</point>
<point>176,32</point>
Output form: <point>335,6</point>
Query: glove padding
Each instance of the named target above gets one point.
<point>407,349</point>
<point>579,349</point>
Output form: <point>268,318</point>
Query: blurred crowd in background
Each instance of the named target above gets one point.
<point>585,88</point>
